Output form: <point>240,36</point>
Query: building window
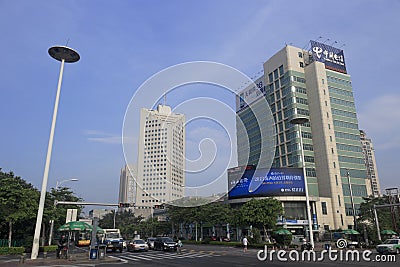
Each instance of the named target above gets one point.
<point>326,227</point>
<point>270,77</point>
<point>324,209</point>
<point>340,204</point>
<point>300,54</point>
<point>281,70</point>
<point>301,64</point>
<point>276,76</point>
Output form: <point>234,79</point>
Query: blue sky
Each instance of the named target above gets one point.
<point>123,43</point>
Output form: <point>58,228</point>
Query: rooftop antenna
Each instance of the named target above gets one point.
<point>165,98</point>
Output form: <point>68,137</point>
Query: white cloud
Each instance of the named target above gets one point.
<point>103,137</point>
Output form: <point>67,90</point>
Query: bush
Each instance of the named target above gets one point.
<point>49,248</point>
<point>11,250</point>
<point>206,240</point>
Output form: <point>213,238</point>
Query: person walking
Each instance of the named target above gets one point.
<point>179,247</point>
<point>245,243</point>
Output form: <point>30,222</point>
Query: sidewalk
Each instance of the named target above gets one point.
<point>81,257</point>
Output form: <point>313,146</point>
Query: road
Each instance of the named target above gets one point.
<point>208,255</point>
<point>196,256</point>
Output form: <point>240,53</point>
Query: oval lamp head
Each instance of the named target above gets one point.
<point>65,53</point>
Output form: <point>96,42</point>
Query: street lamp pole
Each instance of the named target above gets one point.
<point>52,221</point>
<point>299,121</point>
<point>63,54</point>
<point>352,200</point>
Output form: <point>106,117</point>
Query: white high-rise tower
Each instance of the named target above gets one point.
<point>161,157</point>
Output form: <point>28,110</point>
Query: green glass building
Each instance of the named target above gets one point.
<point>311,83</point>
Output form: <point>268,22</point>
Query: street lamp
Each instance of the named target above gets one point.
<point>352,200</point>
<point>63,181</point>
<point>52,221</point>
<point>299,121</point>
<point>63,54</point>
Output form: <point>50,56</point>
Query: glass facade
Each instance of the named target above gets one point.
<point>347,135</point>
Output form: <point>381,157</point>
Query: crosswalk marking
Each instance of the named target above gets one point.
<point>164,256</point>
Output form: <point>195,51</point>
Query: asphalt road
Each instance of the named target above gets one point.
<point>208,255</point>
<point>194,256</point>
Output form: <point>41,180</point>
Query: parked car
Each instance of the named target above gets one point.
<point>150,242</point>
<point>137,245</point>
<point>165,244</point>
<point>389,246</point>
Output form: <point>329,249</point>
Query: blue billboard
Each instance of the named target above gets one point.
<point>251,182</point>
<point>332,57</point>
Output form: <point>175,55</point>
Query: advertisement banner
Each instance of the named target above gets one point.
<point>250,93</point>
<point>332,57</point>
<point>269,182</point>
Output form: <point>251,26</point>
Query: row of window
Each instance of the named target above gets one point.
<point>344,113</point>
<point>353,173</point>
<point>156,130</point>
<point>348,148</point>
<point>347,136</point>
<point>357,190</point>
<point>345,124</point>
<point>338,81</point>
<point>342,102</point>
<point>340,91</point>
<point>275,75</point>
<point>351,160</point>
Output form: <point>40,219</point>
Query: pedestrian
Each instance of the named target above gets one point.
<point>245,243</point>
<point>179,247</point>
<point>275,246</point>
<point>62,242</point>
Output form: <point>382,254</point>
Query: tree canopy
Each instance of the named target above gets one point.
<point>19,204</point>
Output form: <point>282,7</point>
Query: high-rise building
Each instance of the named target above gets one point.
<point>370,163</point>
<point>161,158</point>
<point>127,185</point>
<point>310,83</point>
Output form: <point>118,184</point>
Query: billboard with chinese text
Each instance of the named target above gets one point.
<point>332,57</point>
<point>251,182</point>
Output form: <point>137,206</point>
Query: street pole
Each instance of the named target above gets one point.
<point>377,224</point>
<point>299,121</point>
<point>63,54</point>
<point>54,207</point>
<point>352,200</point>
<point>115,212</point>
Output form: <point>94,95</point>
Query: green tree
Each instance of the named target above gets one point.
<point>126,221</point>
<point>17,205</point>
<point>58,213</point>
<point>366,217</point>
<point>261,213</point>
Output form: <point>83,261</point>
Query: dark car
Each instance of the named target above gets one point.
<point>165,244</point>
<point>150,242</point>
<point>137,245</point>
